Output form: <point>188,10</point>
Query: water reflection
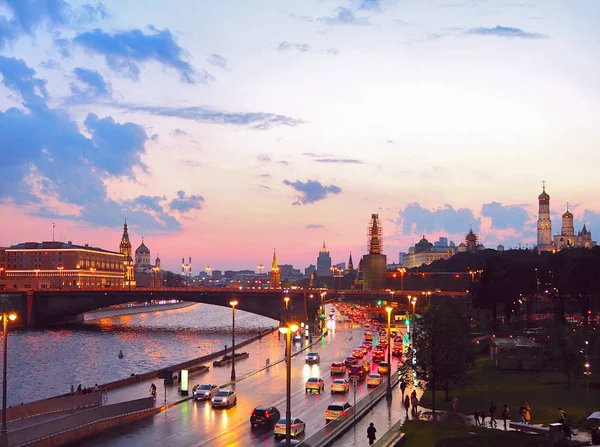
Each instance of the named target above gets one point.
<point>45,362</point>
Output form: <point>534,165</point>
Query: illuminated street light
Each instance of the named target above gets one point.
<point>402,271</point>
<point>12,316</point>
<point>414,303</point>
<point>233,303</point>
<point>388,391</point>
<point>288,329</point>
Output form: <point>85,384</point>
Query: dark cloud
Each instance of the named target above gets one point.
<point>504,31</point>
<point>50,64</point>
<point>179,132</point>
<point>256,120</point>
<point>314,226</point>
<point>217,60</point>
<point>442,219</point>
<point>45,154</point>
<point>90,86</point>
<point>505,216</point>
<point>184,203</point>
<point>311,191</point>
<point>301,47</point>
<point>29,15</point>
<point>344,16</point>
<point>339,160</point>
<point>124,51</point>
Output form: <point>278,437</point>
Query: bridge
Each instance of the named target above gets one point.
<point>46,306</point>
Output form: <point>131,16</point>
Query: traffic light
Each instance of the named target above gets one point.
<point>323,315</point>
<point>379,303</point>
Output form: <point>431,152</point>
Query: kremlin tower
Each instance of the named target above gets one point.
<point>275,276</point>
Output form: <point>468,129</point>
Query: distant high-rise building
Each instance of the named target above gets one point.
<point>544,224</point>
<point>441,242</point>
<point>275,278</point>
<point>401,257</point>
<point>285,270</point>
<point>217,274</point>
<point>324,262</point>
<point>310,270</point>
<point>374,264</point>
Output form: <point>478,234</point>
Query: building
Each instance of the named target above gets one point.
<point>142,258</point>
<point>275,279</point>
<point>54,264</point>
<point>308,271</point>
<point>324,262</point>
<point>567,237</point>
<point>544,224</point>
<point>125,250</point>
<point>471,241</point>
<point>374,264</point>
<point>350,268</point>
<point>424,253</point>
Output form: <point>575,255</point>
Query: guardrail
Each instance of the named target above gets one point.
<point>54,405</point>
<point>336,428</point>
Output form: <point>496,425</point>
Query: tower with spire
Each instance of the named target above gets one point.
<point>471,241</point>
<point>324,262</point>
<point>374,264</point>
<point>125,250</point>
<point>350,268</point>
<point>275,279</point>
<point>567,237</point>
<point>544,224</point>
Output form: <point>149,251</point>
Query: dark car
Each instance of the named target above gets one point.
<point>265,416</point>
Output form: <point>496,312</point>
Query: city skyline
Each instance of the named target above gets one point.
<point>438,117</point>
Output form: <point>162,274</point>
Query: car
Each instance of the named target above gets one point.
<point>297,426</point>
<point>206,391</point>
<point>378,356</point>
<point>264,416</point>
<point>224,398</point>
<point>356,372</point>
<point>397,351</point>
<point>293,443</point>
<point>349,361</point>
<point>368,336</point>
<point>337,368</point>
<point>357,353</point>
<point>312,357</point>
<point>314,384</point>
<point>340,386</point>
<point>367,344</point>
<point>383,368</point>
<point>374,379</point>
<point>337,410</point>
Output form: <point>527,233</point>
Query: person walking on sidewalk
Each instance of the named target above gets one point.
<point>371,433</point>
<point>406,404</point>
<point>505,415</point>
<point>403,387</point>
<point>492,410</point>
<point>476,417</point>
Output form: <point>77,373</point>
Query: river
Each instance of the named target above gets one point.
<point>45,362</point>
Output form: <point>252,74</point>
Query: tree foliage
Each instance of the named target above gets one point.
<point>443,348</point>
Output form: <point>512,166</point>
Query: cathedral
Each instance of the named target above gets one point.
<point>567,237</point>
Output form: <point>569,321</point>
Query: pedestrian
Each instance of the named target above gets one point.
<point>505,415</point>
<point>476,416</point>
<point>455,404</point>
<point>527,414</point>
<point>371,430</point>
<point>96,388</point>
<point>104,394</point>
<point>492,410</point>
<point>72,389</point>
<point>482,416</point>
<point>79,389</point>
<point>403,387</point>
<point>522,410</point>
<point>414,402</point>
<point>406,404</point>
<point>562,415</point>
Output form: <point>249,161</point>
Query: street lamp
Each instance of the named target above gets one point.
<point>388,391</point>
<point>414,303</point>
<point>587,377</point>
<point>288,329</point>
<point>402,271</point>
<point>12,316</point>
<point>233,304</point>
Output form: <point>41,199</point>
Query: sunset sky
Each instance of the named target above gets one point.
<point>223,129</point>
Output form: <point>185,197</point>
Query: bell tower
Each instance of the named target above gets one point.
<point>544,224</point>
<point>125,250</point>
<point>275,275</point>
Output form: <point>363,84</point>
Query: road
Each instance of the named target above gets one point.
<point>197,424</point>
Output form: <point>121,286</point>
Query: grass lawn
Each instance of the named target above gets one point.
<point>545,392</point>
<point>426,434</point>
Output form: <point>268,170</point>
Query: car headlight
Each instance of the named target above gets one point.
<point>206,394</point>
<point>225,400</point>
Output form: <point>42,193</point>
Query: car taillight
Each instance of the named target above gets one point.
<point>267,414</point>
<point>253,414</point>
<point>343,413</point>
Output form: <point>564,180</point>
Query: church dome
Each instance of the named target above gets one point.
<point>567,215</point>
<point>142,249</point>
<point>544,195</point>
<point>471,237</point>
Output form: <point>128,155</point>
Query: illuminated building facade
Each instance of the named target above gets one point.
<point>41,265</point>
<point>374,264</point>
<point>544,224</point>
<point>127,260</point>
<point>275,278</point>
<point>424,253</point>
<point>324,262</point>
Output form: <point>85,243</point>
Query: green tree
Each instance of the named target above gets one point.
<point>563,351</point>
<point>443,348</point>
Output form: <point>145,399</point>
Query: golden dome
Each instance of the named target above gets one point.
<point>567,215</point>
<point>544,195</point>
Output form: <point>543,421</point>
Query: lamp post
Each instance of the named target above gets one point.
<point>233,304</point>
<point>587,377</point>
<point>414,303</point>
<point>388,391</point>
<point>12,316</point>
<point>287,329</point>
<point>260,268</point>
<point>402,271</point>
